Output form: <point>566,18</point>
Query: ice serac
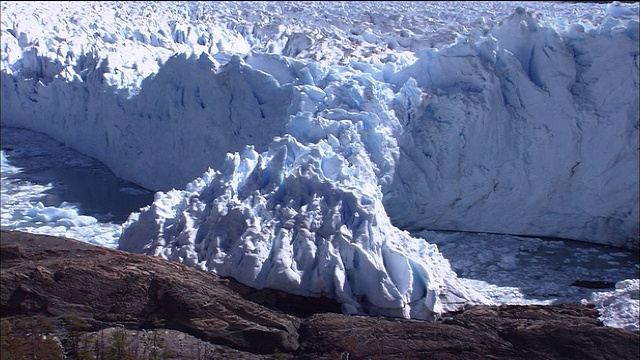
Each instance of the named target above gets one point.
<point>523,131</point>
<point>306,219</point>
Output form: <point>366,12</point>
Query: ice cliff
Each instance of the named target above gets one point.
<point>307,139</point>
<point>524,132</point>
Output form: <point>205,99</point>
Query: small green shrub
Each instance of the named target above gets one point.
<point>119,346</point>
<point>76,340</point>
<point>28,338</point>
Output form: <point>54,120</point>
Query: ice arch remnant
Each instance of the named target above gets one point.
<point>304,219</point>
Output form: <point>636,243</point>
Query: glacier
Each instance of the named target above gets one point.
<point>316,132</point>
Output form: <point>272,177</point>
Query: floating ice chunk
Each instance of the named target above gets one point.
<point>65,215</point>
<point>46,214</point>
<point>81,220</point>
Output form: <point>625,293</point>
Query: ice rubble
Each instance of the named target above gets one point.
<point>306,219</point>
<point>506,127</point>
<point>620,307</point>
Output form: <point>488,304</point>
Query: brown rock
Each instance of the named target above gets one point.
<point>204,316</point>
<point>57,277</point>
<point>567,331</point>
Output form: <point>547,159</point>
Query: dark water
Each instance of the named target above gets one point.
<point>98,193</point>
<point>73,177</point>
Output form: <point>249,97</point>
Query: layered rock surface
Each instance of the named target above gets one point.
<point>58,277</point>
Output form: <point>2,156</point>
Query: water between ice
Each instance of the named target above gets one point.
<point>38,169</point>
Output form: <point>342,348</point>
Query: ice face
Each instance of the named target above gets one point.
<point>526,124</point>
<point>507,129</point>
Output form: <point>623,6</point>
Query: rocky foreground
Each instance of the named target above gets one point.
<point>103,303</point>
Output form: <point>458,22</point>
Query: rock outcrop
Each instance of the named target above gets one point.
<point>199,315</point>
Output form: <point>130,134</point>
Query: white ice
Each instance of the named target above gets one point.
<point>619,308</point>
<point>504,269</point>
<point>491,117</point>
<point>311,128</point>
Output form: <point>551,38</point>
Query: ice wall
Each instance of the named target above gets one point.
<point>523,132</point>
<point>183,120</point>
<point>514,127</point>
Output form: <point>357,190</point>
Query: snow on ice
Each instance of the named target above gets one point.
<point>316,131</point>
